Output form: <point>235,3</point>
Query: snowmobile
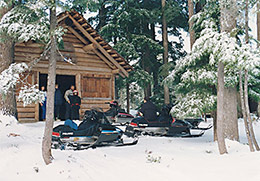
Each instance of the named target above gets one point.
<point>166,125</point>
<point>116,115</point>
<point>94,131</point>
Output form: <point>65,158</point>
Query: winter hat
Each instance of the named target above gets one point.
<point>75,91</point>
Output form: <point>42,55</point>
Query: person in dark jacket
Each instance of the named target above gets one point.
<point>149,110</point>
<point>57,102</point>
<point>75,103</point>
<point>114,108</point>
<point>67,94</point>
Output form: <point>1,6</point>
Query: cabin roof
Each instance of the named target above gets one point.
<point>94,42</point>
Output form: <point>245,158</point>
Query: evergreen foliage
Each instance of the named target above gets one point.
<point>26,20</point>
<point>132,27</point>
<point>195,76</point>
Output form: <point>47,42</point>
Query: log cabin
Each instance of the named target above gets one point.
<point>95,66</point>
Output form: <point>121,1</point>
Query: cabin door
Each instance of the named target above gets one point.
<point>64,82</point>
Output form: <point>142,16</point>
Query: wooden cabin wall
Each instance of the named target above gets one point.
<point>28,113</point>
<point>85,62</point>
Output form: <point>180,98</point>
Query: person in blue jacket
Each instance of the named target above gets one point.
<point>57,102</point>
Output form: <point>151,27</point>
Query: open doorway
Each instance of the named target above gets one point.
<point>64,82</point>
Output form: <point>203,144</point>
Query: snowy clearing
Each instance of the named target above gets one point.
<point>153,158</point>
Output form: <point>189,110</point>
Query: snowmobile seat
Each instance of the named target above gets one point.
<point>62,128</point>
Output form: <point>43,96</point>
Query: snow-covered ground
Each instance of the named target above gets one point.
<point>153,158</point>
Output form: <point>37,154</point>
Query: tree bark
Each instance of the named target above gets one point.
<point>248,135</point>
<point>258,39</point>
<point>214,116</point>
<point>228,14</point>
<point>127,97</point>
<point>46,143</point>
<point>258,22</point>
<point>7,102</point>
<point>248,112</point>
<point>220,110</point>
<point>230,113</point>
<point>191,31</point>
<point>165,51</point>
<point>252,134</point>
<point>102,16</point>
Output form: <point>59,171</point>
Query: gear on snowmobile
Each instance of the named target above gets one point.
<point>166,125</point>
<point>116,115</point>
<point>94,131</point>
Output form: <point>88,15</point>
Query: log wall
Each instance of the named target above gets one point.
<point>85,62</point>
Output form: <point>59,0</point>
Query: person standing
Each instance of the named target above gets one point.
<point>149,110</point>
<point>43,104</point>
<point>57,102</point>
<point>75,103</point>
<point>67,101</point>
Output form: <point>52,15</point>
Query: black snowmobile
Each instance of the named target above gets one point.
<point>94,131</point>
<point>116,115</point>
<point>166,125</point>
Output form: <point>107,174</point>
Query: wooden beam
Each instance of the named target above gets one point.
<point>85,24</point>
<point>62,18</point>
<point>107,47</point>
<point>89,47</point>
<point>78,35</point>
<point>99,46</point>
<point>78,86</point>
<point>68,68</point>
<point>103,58</point>
<point>90,29</point>
<point>116,71</point>
<point>81,19</point>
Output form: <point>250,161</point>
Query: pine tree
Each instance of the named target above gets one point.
<point>195,76</point>
<point>46,142</point>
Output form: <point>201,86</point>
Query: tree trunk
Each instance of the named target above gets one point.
<point>248,112</point>
<point>246,83</point>
<point>258,22</point>
<point>220,110</point>
<point>258,39</point>
<point>230,113</point>
<point>248,135</point>
<point>165,51</point>
<point>191,13</point>
<point>214,116</point>
<point>228,14</point>
<point>7,102</point>
<point>102,17</point>
<point>127,98</point>
<point>46,143</point>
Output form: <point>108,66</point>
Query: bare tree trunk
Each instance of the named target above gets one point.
<point>220,110</point>
<point>228,22</point>
<point>214,116</point>
<point>248,135</point>
<point>230,113</point>
<point>191,13</point>
<point>165,51</point>
<point>248,112</point>
<point>102,17</point>
<point>258,39</point>
<point>246,83</point>
<point>127,97</point>
<point>46,143</point>
<point>258,22</point>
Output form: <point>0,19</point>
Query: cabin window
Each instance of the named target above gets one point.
<point>96,86</point>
